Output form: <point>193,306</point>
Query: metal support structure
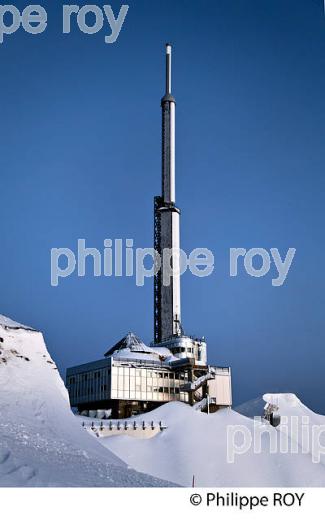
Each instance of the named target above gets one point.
<point>157,279</point>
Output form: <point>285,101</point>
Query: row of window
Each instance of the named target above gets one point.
<point>128,372</point>
<point>143,373</point>
<point>76,392</point>
<point>87,376</point>
<point>147,396</point>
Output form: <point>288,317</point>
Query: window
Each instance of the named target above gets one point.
<point>165,375</point>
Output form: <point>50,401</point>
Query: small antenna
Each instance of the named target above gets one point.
<point>168,68</point>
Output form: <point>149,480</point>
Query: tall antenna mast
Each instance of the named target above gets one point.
<point>168,104</point>
<point>167,304</point>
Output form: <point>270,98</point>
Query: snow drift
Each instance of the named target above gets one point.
<point>41,442</point>
<point>196,444</point>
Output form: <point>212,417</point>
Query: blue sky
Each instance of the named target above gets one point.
<point>80,158</point>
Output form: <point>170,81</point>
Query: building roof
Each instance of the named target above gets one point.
<point>132,347</point>
<point>131,342</point>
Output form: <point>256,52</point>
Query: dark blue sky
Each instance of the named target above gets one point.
<point>80,158</point>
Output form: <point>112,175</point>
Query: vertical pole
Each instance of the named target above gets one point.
<point>168,68</point>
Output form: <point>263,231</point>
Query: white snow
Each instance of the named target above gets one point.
<point>41,442</point>
<point>196,444</point>
<point>10,324</point>
<point>155,355</point>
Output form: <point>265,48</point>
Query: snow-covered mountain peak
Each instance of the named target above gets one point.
<point>41,441</point>
<point>8,323</point>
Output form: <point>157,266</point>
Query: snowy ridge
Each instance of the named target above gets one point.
<point>7,323</point>
<point>196,444</point>
<point>41,442</point>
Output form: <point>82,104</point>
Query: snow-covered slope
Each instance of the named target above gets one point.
<point>196,444</point>
<point>41,442</point>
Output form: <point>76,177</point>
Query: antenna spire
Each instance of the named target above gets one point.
<point>168,68</point>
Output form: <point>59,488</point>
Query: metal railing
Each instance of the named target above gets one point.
<point>120,425</point>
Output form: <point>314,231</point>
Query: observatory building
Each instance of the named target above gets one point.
<point>132,377</point>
